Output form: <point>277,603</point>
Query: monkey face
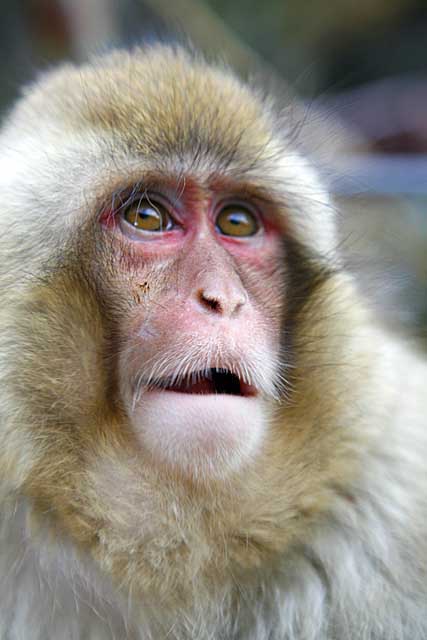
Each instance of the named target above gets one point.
<point>199,348</point>
<point>153,324</point>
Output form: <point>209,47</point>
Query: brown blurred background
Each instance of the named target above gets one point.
<point>360,69</point>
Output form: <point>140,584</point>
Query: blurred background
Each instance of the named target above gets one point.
<point>359,70</point>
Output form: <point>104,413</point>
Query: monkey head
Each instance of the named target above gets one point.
<point>164,245</point>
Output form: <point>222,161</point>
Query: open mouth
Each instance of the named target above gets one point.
<point>210,381</point>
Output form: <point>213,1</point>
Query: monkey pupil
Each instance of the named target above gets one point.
<point>149,218</point>
<point>233,221</point>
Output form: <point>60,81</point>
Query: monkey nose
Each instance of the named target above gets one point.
<point>224,301</point>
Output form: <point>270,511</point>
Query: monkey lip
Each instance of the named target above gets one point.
<point>210,381</point>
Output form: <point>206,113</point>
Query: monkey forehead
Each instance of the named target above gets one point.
<point>160,108</point>
<point>159,102</point>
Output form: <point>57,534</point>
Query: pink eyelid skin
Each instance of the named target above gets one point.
<point>191,217</point>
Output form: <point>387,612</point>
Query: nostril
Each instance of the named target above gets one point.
<point>209,302</point>
<point>221,299</point>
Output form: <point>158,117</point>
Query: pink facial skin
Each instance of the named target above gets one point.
<point>201,351</point>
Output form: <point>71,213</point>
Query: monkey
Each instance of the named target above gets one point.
<point>204,431</point>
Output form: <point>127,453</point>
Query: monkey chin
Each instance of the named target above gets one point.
<point>204,436</point>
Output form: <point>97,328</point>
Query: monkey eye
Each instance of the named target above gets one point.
<point>149,215</point>
<point>238,221</point>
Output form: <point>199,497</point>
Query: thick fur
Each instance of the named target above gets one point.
<point>322,536</point>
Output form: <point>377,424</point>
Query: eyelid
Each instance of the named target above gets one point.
<point>152,197</point>
<point>238,202</point>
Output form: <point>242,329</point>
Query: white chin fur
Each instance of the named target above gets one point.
<point>201,435</point>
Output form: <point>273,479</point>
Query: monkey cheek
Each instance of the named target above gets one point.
<point>201,435</point>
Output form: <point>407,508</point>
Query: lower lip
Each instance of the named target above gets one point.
<point>194,431</point>
<point>204,389</point>
<point>166,396</point>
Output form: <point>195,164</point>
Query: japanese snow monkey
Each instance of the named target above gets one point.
<point>204,434</point>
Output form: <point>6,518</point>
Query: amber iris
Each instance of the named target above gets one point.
<point>147,215</point>
<point>235,220</point>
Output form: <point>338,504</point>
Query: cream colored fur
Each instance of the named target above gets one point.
<point>334,518</point>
